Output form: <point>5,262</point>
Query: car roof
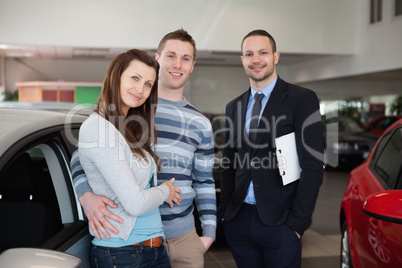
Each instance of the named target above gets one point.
<point>16,124</point>
<point>398,116</point>
<point>50,106</point>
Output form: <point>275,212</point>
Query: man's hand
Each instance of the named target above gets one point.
<point>95,210</point>
<point>207,241</point>
<point>297,235</point>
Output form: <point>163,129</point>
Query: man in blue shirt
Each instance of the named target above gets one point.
<point>263,219</point>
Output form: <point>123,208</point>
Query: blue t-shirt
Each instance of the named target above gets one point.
<point>147,226</point>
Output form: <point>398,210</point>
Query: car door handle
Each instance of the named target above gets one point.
<point>373,223</point>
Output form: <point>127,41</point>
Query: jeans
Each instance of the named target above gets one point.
<point>129,257</point>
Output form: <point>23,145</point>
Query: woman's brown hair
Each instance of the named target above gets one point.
<point>137,127</point>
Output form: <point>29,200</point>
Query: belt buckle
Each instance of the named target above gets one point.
<point>157,241</point>
<point>152,243</point>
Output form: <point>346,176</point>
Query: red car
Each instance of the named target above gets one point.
<point>368,241</point>
<point>379,124</point>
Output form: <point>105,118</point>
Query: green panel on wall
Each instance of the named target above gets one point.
<point>87,95</point>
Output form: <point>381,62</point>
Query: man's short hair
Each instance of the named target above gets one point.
<point>179,34</point>
<point>260,32</point>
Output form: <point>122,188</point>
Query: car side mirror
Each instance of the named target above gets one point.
<point>385,206</point>
<point>36,257</point>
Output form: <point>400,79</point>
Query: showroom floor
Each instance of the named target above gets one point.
<point>321,242</point>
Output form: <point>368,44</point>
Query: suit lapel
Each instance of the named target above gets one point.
<point>243,111</point>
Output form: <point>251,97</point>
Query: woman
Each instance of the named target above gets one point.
<point>115,150</point>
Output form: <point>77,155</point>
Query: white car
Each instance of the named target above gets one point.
<point>38,206</point>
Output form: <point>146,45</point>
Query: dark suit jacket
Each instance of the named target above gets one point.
<point>290,108</point>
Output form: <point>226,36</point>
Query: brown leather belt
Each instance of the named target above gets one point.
<point>153,242</point>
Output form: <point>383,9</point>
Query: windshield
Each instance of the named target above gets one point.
<point>345,124</point>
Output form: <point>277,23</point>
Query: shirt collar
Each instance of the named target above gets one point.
<point>266,90</point>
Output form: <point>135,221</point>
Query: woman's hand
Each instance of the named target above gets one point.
<point>174,193</point>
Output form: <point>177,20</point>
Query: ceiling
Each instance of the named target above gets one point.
<point>394,75</point>
<point>203,57</point>
<point>64,52</point>
<point>221,58</point>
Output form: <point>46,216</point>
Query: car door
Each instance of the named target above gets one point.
<point>363,184</point>
<point>384,239</point>
<point>371,235</point>
<point>37,201</point>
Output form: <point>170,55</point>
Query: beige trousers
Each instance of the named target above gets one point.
<point>186,251</point>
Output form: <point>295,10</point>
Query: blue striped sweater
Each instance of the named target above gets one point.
<point>185,146</point>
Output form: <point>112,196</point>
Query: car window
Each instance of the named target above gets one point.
<point>387,159</point>
<point>399,183</point>
<point>34,197</point>
<point>349,125</point>
<point>345,124</point>
<point>384,123</point>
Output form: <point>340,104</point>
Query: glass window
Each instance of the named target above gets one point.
<point>375,11</point>
<point>32,195</point>
<point>388,158</point>
<point>398,7</point>
<point>399,183</point>
<point>384,123</point>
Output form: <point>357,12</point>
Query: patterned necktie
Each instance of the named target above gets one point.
<point>255,115</point>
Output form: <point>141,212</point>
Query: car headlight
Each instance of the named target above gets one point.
<point>342,146</point>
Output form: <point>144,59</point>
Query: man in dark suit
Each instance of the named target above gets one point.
<point>263,219</point>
